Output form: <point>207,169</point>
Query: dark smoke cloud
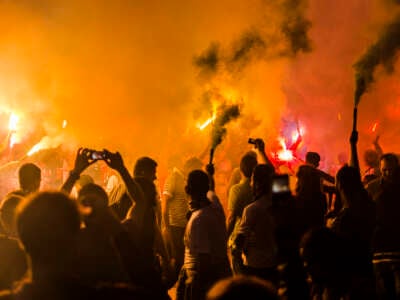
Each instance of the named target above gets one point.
<point>260,41</point>
<point>383,52</point>
<point>295,27</point>
<point>250,44</point>
<point>228,113</point>
<point>207,62</point>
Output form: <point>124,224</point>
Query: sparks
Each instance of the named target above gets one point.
<point>64,124</point>
<point>284,154</point>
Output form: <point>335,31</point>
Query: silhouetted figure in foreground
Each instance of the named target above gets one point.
<point>13,262</point>
<point>206,258</point>
<point>242,287</point>
<point>386,241</point>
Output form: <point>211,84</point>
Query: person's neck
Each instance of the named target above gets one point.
<point>201,201</point>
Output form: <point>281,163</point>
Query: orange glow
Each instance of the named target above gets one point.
<point>64,124</point>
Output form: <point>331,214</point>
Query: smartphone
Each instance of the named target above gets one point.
<point>280,184</point>
<point>97,155</point>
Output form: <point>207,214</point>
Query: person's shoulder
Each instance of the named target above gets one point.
<point>6,295</point>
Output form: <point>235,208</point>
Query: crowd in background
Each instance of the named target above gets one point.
<point>333,237</point>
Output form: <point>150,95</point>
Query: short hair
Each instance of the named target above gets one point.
<point>8,210</point>
<point>248,163</point>
<point>313,158</point>
<point>198,183</point>
<point>47,223</point>
<point>28,174</point>
<point>93,194</point>
<point>241,287</point>
<point>371,158</point>
<point>349,179</point>
<point>144,165</point>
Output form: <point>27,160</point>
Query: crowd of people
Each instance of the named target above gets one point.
<point>331,238</point>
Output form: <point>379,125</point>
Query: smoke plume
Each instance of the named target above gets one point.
<point>227,114</point>
<point>383,52</point>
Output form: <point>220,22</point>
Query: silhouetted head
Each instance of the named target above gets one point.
<point>248,163</point>
<point>145,167</point>
<point>83,180</point>
<point>8,211</point>
<point>307,181</point>
<point>371,158</point>
<point>313,158</point>
<point>197,186</point>
<point>261,180</point>
<point>242,287</point>
<point>48,224</point>
<point>29,176</point>
<point>93,195</point>
<point>348,180</point>
<point>192,164</point>
<point>389,162</point>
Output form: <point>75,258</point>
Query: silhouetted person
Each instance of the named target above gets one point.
<point>13,263</point>
<point>388,163</point>
<point>256,235</point>
<point>175,209</point>
<point>98,258</point>
<point>206,258</point>
<point>355,224</point>
<point>386,241</point>
<point>310,199</point>
<point>29,177</point>
<point>240,195</point>
<point>242,287</point>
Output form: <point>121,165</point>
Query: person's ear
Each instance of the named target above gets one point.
<point>187,189</point>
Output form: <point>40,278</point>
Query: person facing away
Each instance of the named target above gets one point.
<point>242,287</point>
<point>29,177</point>
<point>255,240</point>
<point>388,163</point>
<point>205,260</point>
<point>98,259</point>
<point>175,209</point>
<point>355,224</point>
<point>310,199</point>
<point>240,195</point>
<point>13,263</point>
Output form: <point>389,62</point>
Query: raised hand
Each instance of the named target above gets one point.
<point>83,160</point>
<point>113,160</point>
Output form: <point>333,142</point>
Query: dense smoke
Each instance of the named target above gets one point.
<point>219,130</point>
<point>125,74</point>
<point>383,52</point>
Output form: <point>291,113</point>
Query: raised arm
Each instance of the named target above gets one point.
<point>261,155</point>
<point>83,160</point>
<point>378,147</point>
<point>114,161</point>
